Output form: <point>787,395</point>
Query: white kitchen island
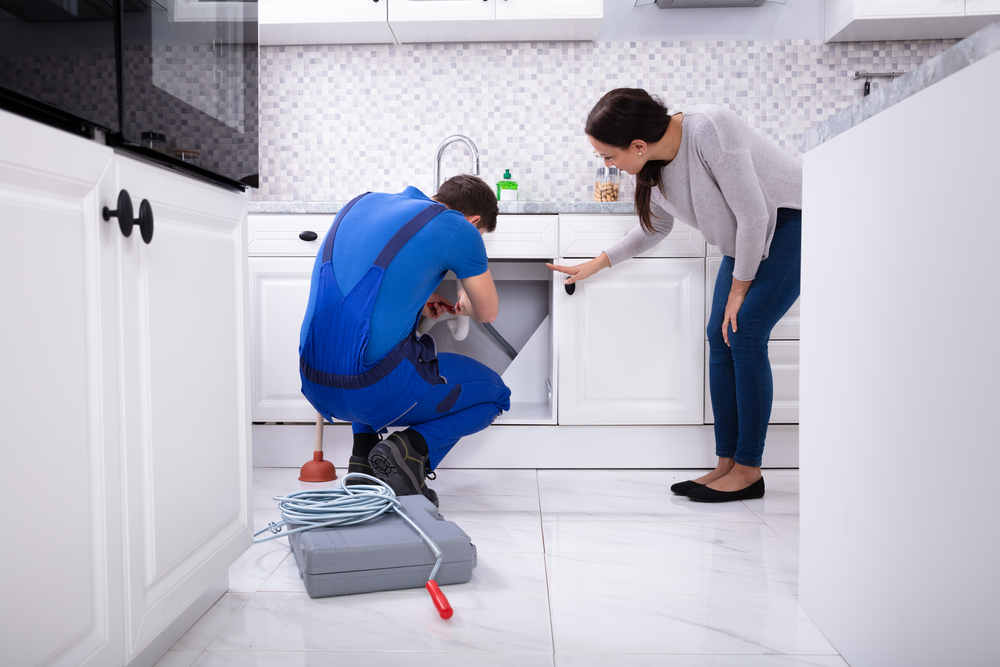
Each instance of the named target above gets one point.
<point>899,367</point>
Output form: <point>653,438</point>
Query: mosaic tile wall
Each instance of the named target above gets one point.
<point>339,120</point>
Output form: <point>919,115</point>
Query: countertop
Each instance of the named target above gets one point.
<point>974,47</point>
<point>506,208</point>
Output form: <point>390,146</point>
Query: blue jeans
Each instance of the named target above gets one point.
<point>739,376</point>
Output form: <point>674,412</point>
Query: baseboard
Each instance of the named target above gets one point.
<point>516,446</point>
<point>156,649</point>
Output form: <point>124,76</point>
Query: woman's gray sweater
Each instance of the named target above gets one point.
<point>728,182</point>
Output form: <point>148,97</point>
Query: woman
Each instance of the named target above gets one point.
<point>709,169</point>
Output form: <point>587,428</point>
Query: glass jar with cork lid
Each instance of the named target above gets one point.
<point>607,181</point>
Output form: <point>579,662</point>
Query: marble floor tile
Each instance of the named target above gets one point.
<point>781,505</point>
<point>698,624</point>
<point>494,573</point>
<point>256,565</point>
<point>174,658</point>
<point>369,659</point>
<point>657,660</point>
<point>489,508</point>
<point>464,482</point>
<point>511,573</point>
<point>611,482</point>
<point>787,528</point>
<point>673,574</point>
<point>212,622</point>
<point>522,536</point>
<point>608,537</point>
<point>394,621</point>
<point>586,507</point>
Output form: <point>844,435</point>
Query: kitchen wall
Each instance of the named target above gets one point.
<point>341,119</point>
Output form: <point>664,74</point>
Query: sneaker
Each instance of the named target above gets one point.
<point>396,463</point>
<point>359,464</point>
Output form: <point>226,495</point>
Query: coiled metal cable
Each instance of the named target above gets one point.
<point>342,506</point>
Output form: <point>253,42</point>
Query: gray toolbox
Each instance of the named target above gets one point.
<point>384,554</point>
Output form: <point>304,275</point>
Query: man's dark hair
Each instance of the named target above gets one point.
<point>469,195</point>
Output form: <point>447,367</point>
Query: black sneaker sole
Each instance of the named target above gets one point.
<point>387,462</point>
<point>359,464</point>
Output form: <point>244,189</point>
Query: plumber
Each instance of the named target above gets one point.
<point>360,358</point>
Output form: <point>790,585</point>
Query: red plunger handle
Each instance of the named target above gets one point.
<point>440,601</point>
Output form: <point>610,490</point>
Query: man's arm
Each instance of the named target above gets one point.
<point>478,298</point>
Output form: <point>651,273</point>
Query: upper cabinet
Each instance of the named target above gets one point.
<point>415,21</point>
<point>871,20</point>
<point>282,22</point>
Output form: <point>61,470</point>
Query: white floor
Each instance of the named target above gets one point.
<point>577,568</point>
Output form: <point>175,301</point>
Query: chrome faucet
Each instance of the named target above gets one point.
<point>444,144</point>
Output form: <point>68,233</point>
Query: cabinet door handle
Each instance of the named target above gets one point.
<point>570,288</point>
<point>123,213</point>
<point>308,236</point>
<point>145,221</point>
<point>125,219</point>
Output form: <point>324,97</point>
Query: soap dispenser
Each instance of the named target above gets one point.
<point>506,188</point>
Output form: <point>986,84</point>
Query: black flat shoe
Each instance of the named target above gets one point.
<point>706,495</point>
<point>682,488</point>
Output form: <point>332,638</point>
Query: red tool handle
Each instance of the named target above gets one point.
<point>440,601</point>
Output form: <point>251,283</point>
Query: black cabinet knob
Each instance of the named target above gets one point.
<point>125,219</point>
<point>570,288</point>
<point>145,221</point>
<point>123,213</point>
<point>308,236</point>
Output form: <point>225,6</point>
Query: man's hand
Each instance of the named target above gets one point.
<point>437,306</point>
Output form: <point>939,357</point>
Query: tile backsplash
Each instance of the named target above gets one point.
<point>338,120</point>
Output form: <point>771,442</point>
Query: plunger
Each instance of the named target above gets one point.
<point>318,470</point>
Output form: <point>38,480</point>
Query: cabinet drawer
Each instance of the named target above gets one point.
<point>784,357</point>
<point>278,235</point>
<point>787,327</point>
<point>590,235</point>
<point>523,236</point>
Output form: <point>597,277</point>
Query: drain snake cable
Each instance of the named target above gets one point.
<point>347,506</point>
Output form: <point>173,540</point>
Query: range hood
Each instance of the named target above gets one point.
<point>702,4</point>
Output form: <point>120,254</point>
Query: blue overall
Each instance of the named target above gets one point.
<point>443,398</point>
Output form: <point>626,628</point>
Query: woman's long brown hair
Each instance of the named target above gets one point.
<point>619,118</point>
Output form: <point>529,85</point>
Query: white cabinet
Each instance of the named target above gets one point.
<point>494,20</point>
<point>523,237</point>
<point>868,20</point>
<point>784,358</point>
<point>283,22</point>
<point>124,399</point>
<point>632,345</point>
<point>59,413</point>
<point>973,7</point>
<point>590,235</point>
<point>279,289</point>
<point>184,347</point>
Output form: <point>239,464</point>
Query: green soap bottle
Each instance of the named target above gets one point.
<point>506,189</point>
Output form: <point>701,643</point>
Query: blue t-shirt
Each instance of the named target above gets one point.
<point>449,242</point>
